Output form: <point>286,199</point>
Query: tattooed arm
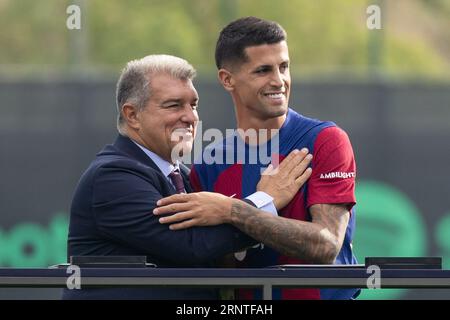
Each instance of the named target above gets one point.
<point>318,241</point>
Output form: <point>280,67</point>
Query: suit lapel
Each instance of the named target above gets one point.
<point>129,147</point>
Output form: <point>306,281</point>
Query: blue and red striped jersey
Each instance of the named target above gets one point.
<point>237,169</point>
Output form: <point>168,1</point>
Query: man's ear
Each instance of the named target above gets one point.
<point>131,116</point>
<point>226,79</point>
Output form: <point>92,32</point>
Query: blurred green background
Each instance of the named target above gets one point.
<point>325,36</point>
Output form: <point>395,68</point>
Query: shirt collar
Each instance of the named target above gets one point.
<point>163,165</point>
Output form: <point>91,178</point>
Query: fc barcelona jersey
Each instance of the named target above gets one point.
<point>233,167</point>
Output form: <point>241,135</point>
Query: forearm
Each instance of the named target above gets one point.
<point>303,240</point>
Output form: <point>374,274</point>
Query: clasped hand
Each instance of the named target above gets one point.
<point>183,211</point>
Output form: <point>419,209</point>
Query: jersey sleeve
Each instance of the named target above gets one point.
<point>334,169</point>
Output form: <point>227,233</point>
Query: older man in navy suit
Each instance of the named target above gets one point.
<point>112,209</point>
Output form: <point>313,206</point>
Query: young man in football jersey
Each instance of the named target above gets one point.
<point>317,226</point>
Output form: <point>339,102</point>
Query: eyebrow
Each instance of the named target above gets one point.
<point>176,101</point>
<point>171,101</point>
<point>263,66</point>
<point>269,65</point>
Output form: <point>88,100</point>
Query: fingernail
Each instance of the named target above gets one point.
<point>309,156</point>
<point>161,220</point>
<point>155,211</point>
<point>158,202</point>
<point>296,151</point>
<point>305,150</point>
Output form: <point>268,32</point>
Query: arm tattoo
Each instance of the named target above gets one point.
<point>318,241</point>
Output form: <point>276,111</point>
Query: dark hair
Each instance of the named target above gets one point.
<point>243,33</point>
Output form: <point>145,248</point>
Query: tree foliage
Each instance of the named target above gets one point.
<point>324,35</point>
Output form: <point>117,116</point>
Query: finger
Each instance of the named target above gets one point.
<point>180,216</point>
<point>184,225</point>
<point>293,159</point>
<point>268,171</point>
<point>181,197</point>
<point>300,181</point>
<point>301,167</point>
<point>298,161</point>
<point>275,160</point>
<point>172,208</point>
<point>287,161</point>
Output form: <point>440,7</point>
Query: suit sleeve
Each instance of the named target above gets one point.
<point>123,203</point>
<point>334,169</point>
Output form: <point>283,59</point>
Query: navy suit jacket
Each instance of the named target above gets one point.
<point>111,214</point>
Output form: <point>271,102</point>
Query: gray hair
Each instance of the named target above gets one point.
<point>134,82</point>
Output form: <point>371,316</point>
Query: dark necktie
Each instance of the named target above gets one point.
<point>177,180</point>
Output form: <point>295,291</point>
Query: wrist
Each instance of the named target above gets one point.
<point>234,211</point>
<point>277,204</point>
<point>275,201</point>
<point>227,216</point>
